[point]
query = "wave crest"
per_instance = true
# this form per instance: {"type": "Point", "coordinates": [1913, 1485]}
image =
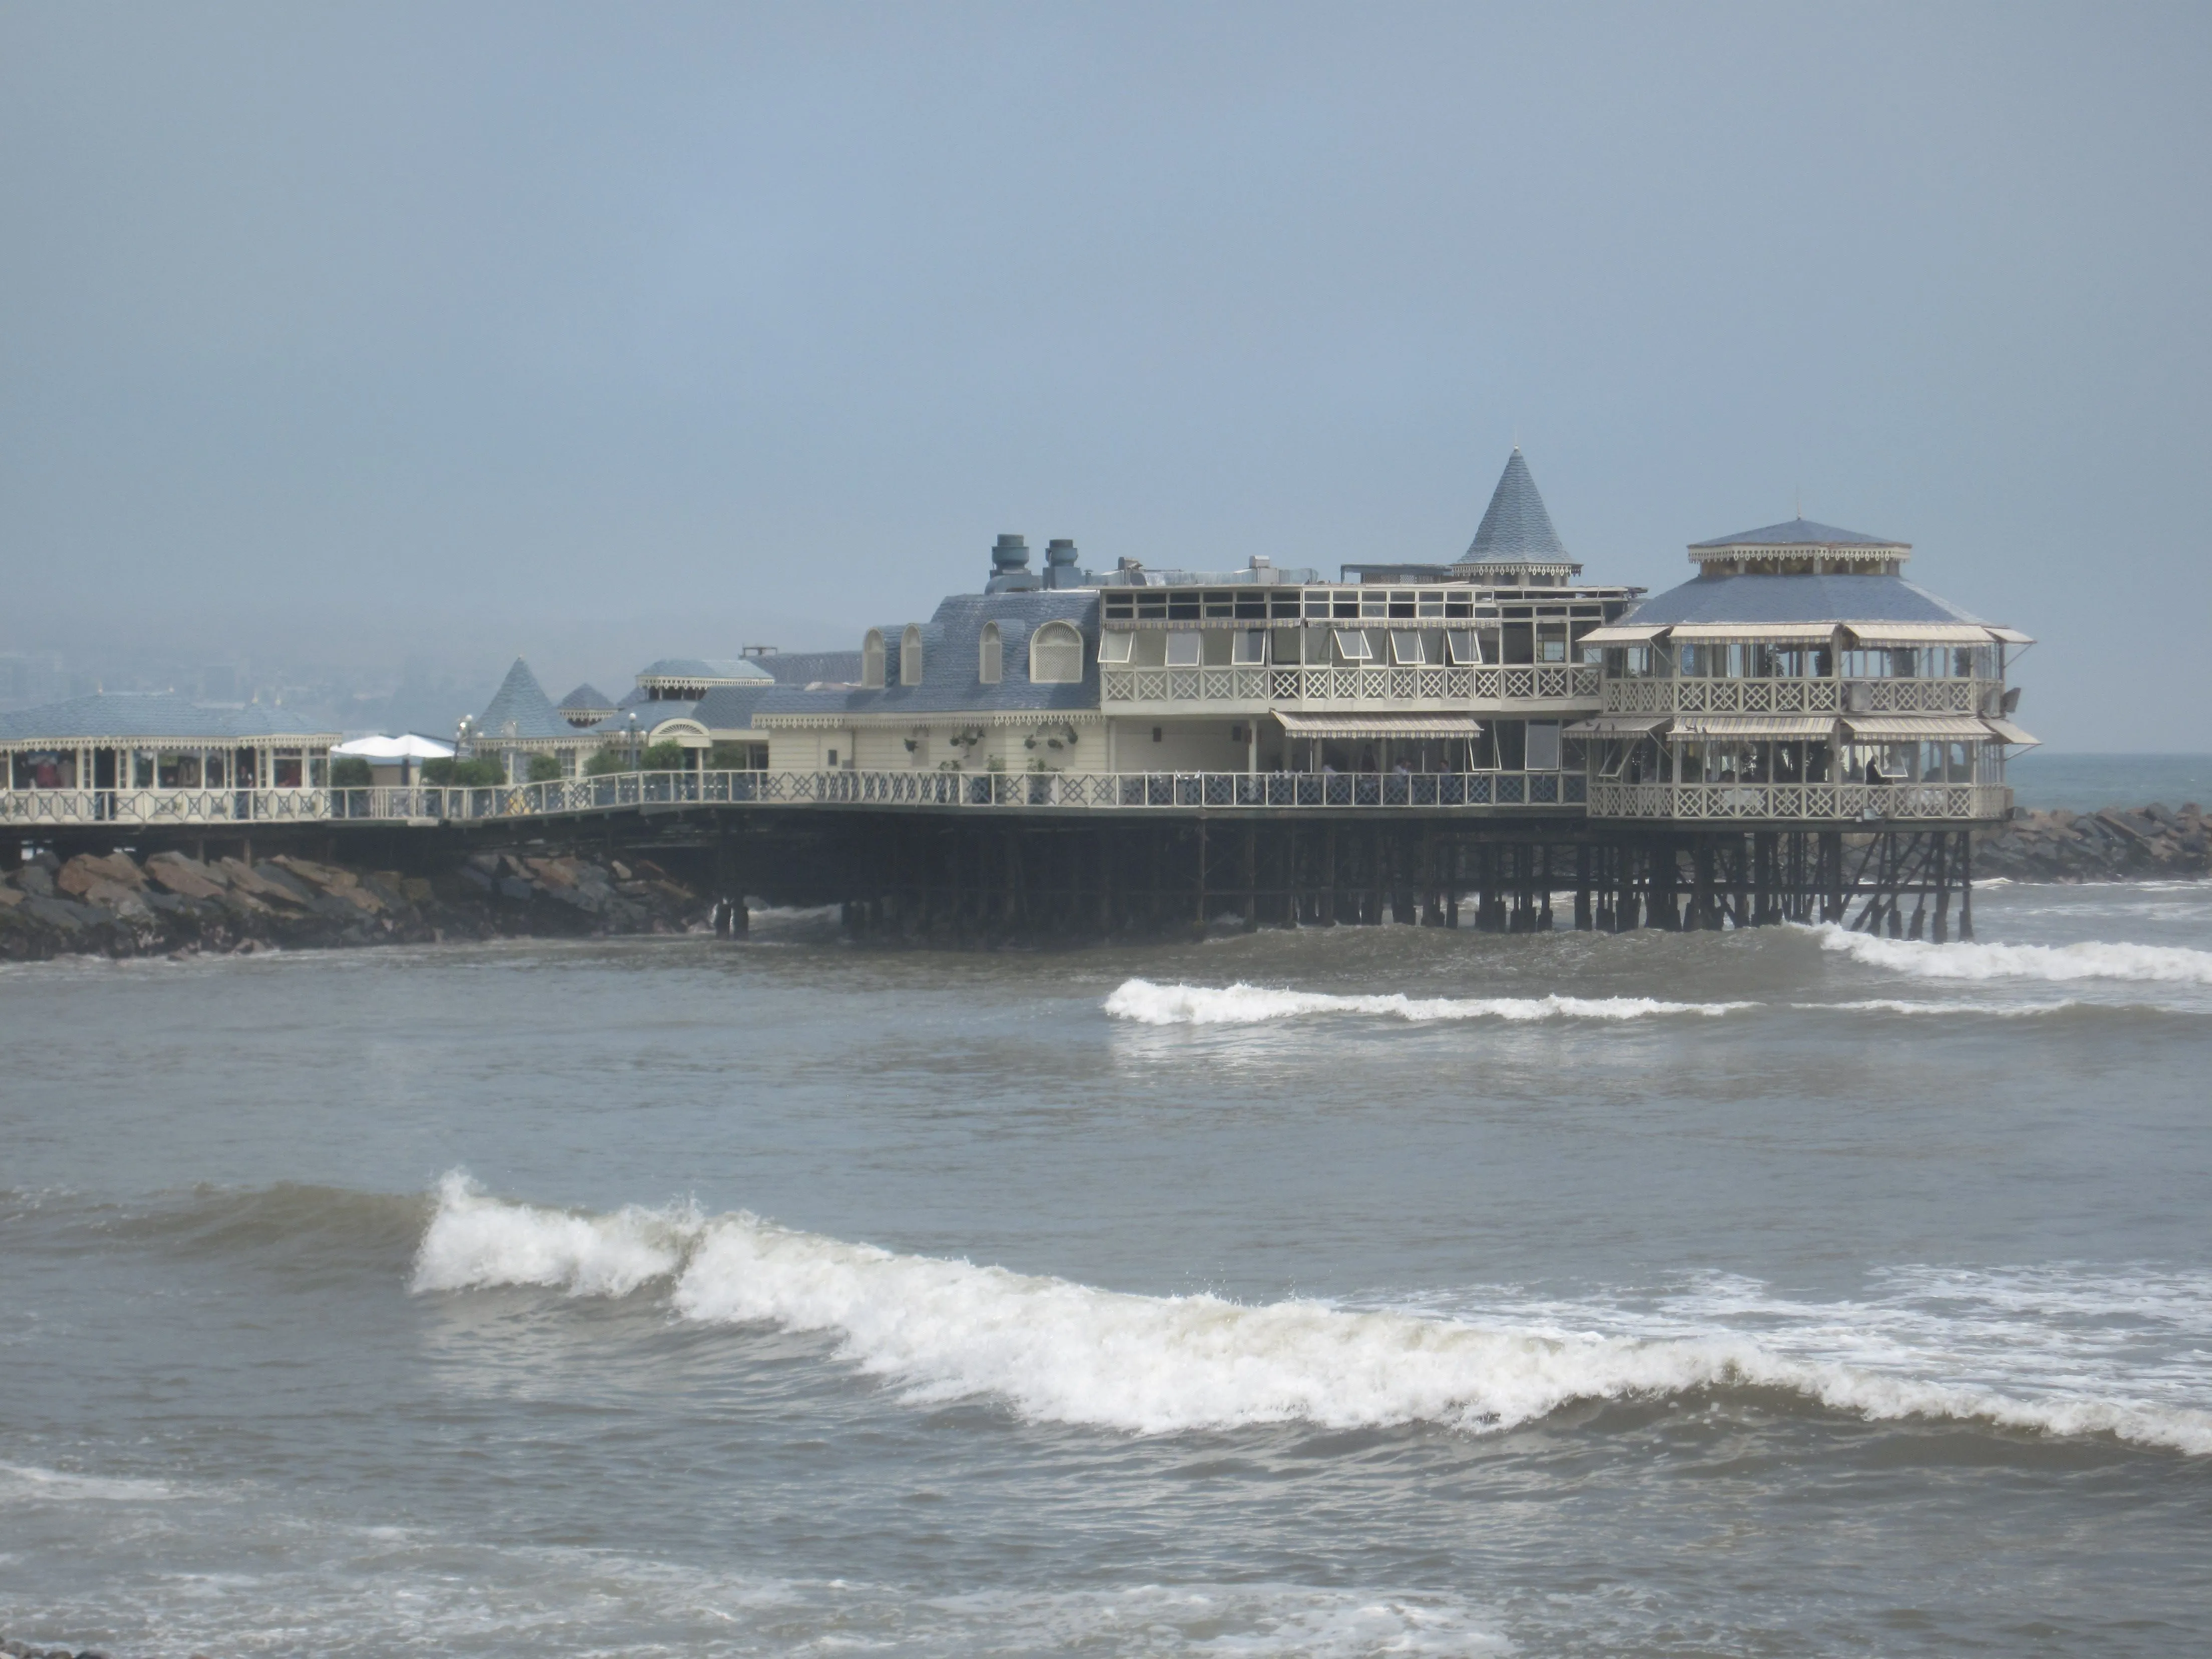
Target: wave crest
{"type": "Point", "coordinates": [1060, 1352]}
{"type": "Point", "coordinates": [1150, 1003]}
{"type": "Point", "coordinates": [2169, 964]}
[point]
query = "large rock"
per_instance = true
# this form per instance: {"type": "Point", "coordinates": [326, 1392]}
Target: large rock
{"type": "Point", "coordinates": [186, 877]}
{"type": "Point", "coordinates": [79, 875]}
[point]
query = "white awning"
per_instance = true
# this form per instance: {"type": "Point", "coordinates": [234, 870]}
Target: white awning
{"type": "Point", "coordinates": [1880, 633]}
{"type": "Point", "coordinates": [1915, 728]}
{"type": "Point", "coordinates": [1617, 726]}
{"type": "Point", "coordinates": [1622, 634]}
{"type": "Point", "coordinates": [2012, 637]}
{"type": "Point", "coordinates": [1754, 726]}
{"type": "Point", "coordinates": [2006, 731]}
{"type": "Point", "coordinates": [406, 746]}
{"type": "Point", "coordinates": [1762, 633]}
{"type": "Point", "coordinates": [1297, 725]}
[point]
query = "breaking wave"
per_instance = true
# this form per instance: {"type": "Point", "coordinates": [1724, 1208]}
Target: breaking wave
{"type": "Point", "coordinates": [2171, 964]}
{"type": "Point", "coordinates": [1056, 1350]}
{"type": "Point", "coordinates": [1150, 1003]}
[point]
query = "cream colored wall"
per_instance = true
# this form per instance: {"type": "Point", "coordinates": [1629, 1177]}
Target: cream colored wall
{"type": "Point", "coordinates": [807, 751]}
{"type": "Point", "coordinates": [1185, 745]}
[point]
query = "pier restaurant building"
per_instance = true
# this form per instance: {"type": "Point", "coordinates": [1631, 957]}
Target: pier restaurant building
{"type": "Point", "coordinates": [156, 757]}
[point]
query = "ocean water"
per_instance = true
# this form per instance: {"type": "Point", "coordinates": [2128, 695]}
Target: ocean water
{"type": "Point", "coordinates": [2081, 783]}
{"type": "Point", "coordinates": [1365, 1291]}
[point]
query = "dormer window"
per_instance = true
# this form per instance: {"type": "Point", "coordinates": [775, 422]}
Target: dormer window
{"type": "Point", "coordinates": [990, 656]}
{"type": "Point", "coordinates": [1056, 655]}
{"type": "Point", "coordinates": [910, 655]}
{"type": "Point", "coordinates": [872, 661]}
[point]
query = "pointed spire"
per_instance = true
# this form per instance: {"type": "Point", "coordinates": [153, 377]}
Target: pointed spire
{"type": "Point", "coordinates": [520, 708]}
{"type": "Point", "coordinates": [1516, 526]}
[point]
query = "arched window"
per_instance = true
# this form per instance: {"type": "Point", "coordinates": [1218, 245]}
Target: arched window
{"type": "Point", "coordinates": [990, 656]}
{"type": "Point", "coordinates": [1056, 655]}
{"type": "Point", "coordinates": [910, 655]}
{"type": "Point", "coordinates": [872, 659]}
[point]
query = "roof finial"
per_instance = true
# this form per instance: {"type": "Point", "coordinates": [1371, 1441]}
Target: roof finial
{"type": "Point", "coordinates": [1798, 503]}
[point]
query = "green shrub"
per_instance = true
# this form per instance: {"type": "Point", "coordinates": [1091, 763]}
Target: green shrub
{"type": "Point", "coordinates": [463, 773]}
{"type": "Point", "coordinates": [664, 757]}
{"type": "Point", "coordinates": [609, 759]}
{"type": "Point", "coordinates": [730, 757]}
{"type": "Point", "coordinates": [544, 768]}
{"type": "Point", "coordinates": [349, 772]}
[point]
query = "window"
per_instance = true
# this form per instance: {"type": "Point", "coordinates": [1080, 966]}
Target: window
{"type": "Point", "coordinates": [1406, 649]}
{"type": "Point", "coordinates": [1250, 648]}
{"type": "Point", "coordinates": [287, 768]}
{"type": "Point", "coordinates": [910, 655]}
{"type": "Point", "coordinates": [872, 659]}
{"type": "Point", "coordinates": [1056, 655]}
{"type": "Point", "coordinates": [1352, 645]}
{"type": "Point", "coordinates": [990, 655]}
{"type": "Point", "coordinates": [1184, 650]}
{"type": "Point", "coordinates": [833, 758]}
{"type": "Point", "coordinates": [1543, 746]}
{"type": "Point", "coordinates": [1463, 647]}
{"type": "Point", "coordinates": [1116, 648]}
{"type": "Point", "coordinates": [1156, 734]}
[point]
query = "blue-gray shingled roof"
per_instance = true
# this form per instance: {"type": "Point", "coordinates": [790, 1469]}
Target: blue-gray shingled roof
{"type": "Point", "coordinates": [1796, 600]}
{"type": "Point", "coordinates": [704, 668]}
{"type": "Point", "coordinates": [587, 696]}
{"type": "Point", "coordinates": [522, 701]}
{"type": "Point", "coordinates": [951, 681]}
{"type": "Point", "coordinates": [123, 716]}
{"type": "Point", "coordinates": [1800, 532]}
{"type": "Point", "coordinates": [1515, 526]}
{"type": "Point", "coordinates": [724, 708]}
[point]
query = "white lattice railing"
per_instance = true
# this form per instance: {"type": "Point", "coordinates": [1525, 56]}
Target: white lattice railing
{"type": "Point", "coordinates": [163, 806]}
{"type": "Point", "coordinates": [1303, 686]}
{"type": "Point", "coordinates": [1056, 790]}
{"type": "Point", "coordinates": [1696, 696]}
{"type": "Point", "coordinates": [1840, 803]}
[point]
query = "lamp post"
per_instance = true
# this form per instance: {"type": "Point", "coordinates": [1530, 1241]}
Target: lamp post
{"type": "Point", "coordinates": [633, 740]}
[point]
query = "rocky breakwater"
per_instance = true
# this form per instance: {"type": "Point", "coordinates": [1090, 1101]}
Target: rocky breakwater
{"type": "Point", "coordinates": [2114, 844]}
{"type": "Point", "coordinates": [169, 904]}
{"type": "Point", "coordinates": [16, 1649]}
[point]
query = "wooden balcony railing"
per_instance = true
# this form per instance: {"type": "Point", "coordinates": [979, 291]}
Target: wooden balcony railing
{"type": "Point", "coordinates": [1457, 687]}
{"type": "Point", "coordinates": [163, 806]}
{"type": "Point", "coordinates": [1698, 696]}
{"type": "Point", "coordinates": [1831, 803]}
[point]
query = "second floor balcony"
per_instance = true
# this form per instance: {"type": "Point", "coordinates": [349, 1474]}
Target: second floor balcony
{"type": "Point", "coordinates": [1691, 695]}
{"type": "Point", "coordinates": [1264, 686]}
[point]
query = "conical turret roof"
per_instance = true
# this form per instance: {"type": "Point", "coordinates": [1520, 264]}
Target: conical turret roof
{"type": "Point", "coordinates": [1516, 526]}
{"type": "Point", "coordinates": [520, 708]}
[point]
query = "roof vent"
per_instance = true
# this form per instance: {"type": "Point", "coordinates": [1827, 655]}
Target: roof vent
{"type": "Point", "coordinates": [1010, 566]}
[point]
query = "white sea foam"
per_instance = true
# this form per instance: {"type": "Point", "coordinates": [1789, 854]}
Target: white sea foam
{"type": "Point", "coordinates": [1150, 1003]}
{"type": "Point", "coordinates": [1987, 1010]}
{"type": "Point", "coordinates": [22, 1482]}
{"type": "Point", "coordinates": [1060, 1352]}
{"type": "Point", "coordinates": [2171, 964]}
{"type": "Point", "coordinates": [474, 1241]}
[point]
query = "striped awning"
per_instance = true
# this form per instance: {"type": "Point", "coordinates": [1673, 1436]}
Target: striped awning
{"type": "Point", "coordinates": [1298, 725]}
{"type": "Point", "coordinates": [1917, 728]}
{"type": "Point", "coordinates": [1617, 726]}
{"type": "Point", "coordinates": [1760, 632]}
{"type": "Point", "coordinates": [1881, 634]}
{"type": "Point", "coordinates": [1754, 725]}
{"type": "Point", "coordinates": [2006, 731]}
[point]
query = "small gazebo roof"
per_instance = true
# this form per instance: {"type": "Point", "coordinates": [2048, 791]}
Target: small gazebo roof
{"type": "Point", "coordinates": [588, 698]}
{"type": "Point", "coordinates": [1805, 538]}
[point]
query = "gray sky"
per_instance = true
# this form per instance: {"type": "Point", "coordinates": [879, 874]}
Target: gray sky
{"type": "Point", "coordinates": [592, 332]}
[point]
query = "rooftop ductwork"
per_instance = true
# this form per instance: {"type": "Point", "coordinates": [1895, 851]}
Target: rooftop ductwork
{"type": "Point", "coordinates": [1010, 566]}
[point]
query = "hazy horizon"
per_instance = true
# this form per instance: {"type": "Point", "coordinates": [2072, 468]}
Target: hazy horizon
{"type": "Point", "coordinates": [357, 335]}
